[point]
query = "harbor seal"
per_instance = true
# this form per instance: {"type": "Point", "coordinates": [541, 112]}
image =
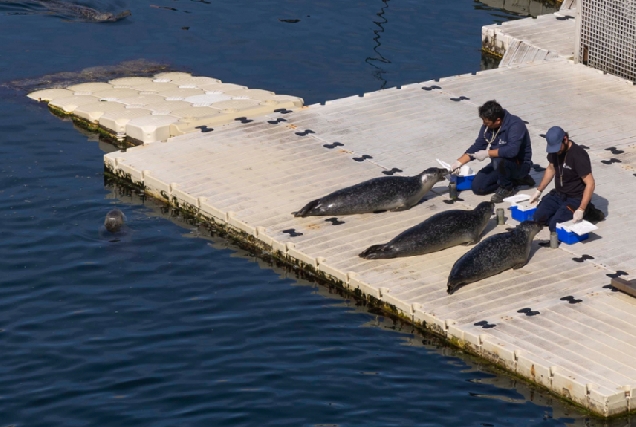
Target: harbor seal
{"type": "Point", "coordinates": [68, 9]}
{"type": "Point", "coordinates": [442, 230]}
{"type": "Point", "coordinates": [494, 255]}
{"type": "Point", "coordinates": [387, 193]}
{"type": "Point", "coordinates": [114, 220]}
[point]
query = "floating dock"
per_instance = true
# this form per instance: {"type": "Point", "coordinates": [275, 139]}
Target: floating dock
{"type": "Point", "coordinates": [557, 321]}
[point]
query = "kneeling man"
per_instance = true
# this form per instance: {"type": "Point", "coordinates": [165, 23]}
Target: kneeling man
{"type": "Point", "coordinates": [574, 184]}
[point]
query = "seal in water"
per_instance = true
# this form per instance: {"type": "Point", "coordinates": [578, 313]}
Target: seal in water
{"type": "Point", "coordinates": [72, 10]}
{"type": "Point", "coordinates": [387, 193]}
{"type": "Point", "coordinates": [441, 231]}
{"type": "Point", "coordinates": [114, 220]}
{"type": "Point", "coordinates": [494, 255]}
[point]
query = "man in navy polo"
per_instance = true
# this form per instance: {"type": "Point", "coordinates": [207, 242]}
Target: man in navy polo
{"type": "Point", "coordinates": [574, 185]}
{"type": "Point", "coordinates": [503, 138]}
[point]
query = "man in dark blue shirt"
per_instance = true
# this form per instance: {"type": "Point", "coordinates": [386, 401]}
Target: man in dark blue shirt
{"type": "Point", "coordinates": [503, 138]}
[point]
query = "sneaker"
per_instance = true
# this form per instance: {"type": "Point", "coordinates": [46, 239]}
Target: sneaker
{"type": "Point", "coordinates": [526, 180]}
{"type": "Point", "coordinates": [501, 194]}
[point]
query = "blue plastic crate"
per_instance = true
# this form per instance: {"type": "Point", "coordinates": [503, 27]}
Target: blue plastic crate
{"type": "Point", "coordinates": [464, 182]}
{"type": "Point", "coordinates": [570, 238]}
{"type": "Point", "coordinates": [522, 216]}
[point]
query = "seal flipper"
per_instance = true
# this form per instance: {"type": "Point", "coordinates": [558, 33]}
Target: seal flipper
{"type": "Point", "coordinates": [307, 209]}
{"type": "Point", "coordinates": [377, 252]}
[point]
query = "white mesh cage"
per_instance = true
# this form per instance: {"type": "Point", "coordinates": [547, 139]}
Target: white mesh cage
{"type": "Point", "coordinates": [607, 37]}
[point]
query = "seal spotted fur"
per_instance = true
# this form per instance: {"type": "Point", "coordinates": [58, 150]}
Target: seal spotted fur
{"type": "Point", "coordinates": [494, 255]}
{"type": "Point", "coordinates": [387, 193]}
{"type": "Point", "coordinates": [442, 230]}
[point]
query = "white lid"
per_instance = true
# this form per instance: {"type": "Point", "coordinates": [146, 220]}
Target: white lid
{"type": "Point", "coordinates": [579, 228]}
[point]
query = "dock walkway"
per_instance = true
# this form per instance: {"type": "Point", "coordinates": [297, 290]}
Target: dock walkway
{"type": "Point", "coordinates": [251, 176]}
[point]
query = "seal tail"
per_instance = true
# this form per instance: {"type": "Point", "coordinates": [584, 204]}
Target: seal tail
{"type": "Point", "coordinates": [308, 207]}
{"type": "Point", "coordinates": [377, 252]}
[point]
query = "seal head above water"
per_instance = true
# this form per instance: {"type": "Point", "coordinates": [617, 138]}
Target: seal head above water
{"type": "Point", "coordinates": [114, 220]}
{"type": "Point", "coordinates": [387, 193]}
{"type": "Point", "coordinates": [442, 230]}
{"type": "Point", "coordinates": [493, 255]}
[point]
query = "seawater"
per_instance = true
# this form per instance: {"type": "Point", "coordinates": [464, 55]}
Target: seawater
{"type": "Point", "coordinates": [164, 325]}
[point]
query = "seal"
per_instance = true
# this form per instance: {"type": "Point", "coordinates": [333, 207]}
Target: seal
{"type": "Point", "coordinates": [494, 255]}
{"type": "Point", "coordinates": [114, 220]}
{"type": "Point", "coordinates": [84, 13]}
{"type": "Point", "coordinates": [441, 231]}
{"type": "Point", "coordinates": [387, 193]}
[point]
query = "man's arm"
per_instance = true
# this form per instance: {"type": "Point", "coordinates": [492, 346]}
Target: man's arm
{"type": "Point", "coordinates": [547, 177]}
{"type": "Point", "coordinates": [589, 190]}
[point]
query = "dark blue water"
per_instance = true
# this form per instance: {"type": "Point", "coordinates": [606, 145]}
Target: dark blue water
{"type": "Point", "coordinates": [165, 326]}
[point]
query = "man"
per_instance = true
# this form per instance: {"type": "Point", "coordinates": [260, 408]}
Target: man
{"type": "Point", "coordinates": [574, 181]}
{"type": "Point", "coordinates": [504, 138]}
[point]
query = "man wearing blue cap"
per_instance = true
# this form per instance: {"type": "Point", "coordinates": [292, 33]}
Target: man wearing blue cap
{"type": "Point", "coordinates": [574, 185]}
{"type": "Point", "coordinates": [504, 139]}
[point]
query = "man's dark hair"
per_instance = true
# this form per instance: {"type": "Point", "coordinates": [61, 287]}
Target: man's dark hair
{"type": "Point", "coordinates": [491, 110]}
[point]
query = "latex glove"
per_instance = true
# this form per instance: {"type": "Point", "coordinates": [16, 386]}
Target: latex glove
{"type": "Point", "coordinates": [455, 167]}
{"type": "Point", "coordinates": [535, 197]}
{"type": "Point", "coordinates": [578, 215]}
{"type": "Point", "coordinates": [480, 155]}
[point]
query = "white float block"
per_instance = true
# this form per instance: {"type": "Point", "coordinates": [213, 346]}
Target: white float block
{"type": "Point", "coordinates": [206, 99]}
{"type": "Point", "coordinates": [220, 87]}
{"type": "Point", "coordinates": [115, 94]}
{"type": "Point", "coordinates": [156, 186]}
{"type": "Point", "coordinates": [172, 76]}
{"type": "Point", "coordinates": [499, 352]}
{"type": "Point", "coordinates": [109, 160]}
{"type": "Point", "coordinates": [297, 102]}
{"type": "Point", "coordinates": [356, 283]}
{"type": "Point", "coordinates": [181, 94]}
{"type": "Point", "coordinates": [70, 104]}
{"type": "Point", "coordinates": [454, 331]}
{"type": "Point", "coordinates": [196, 82]}
{"type": "Point", "coordinates": [116, 121]}
{"type": "Point", "coordinates": [431, 321]}
{"type": "Point", "coordinates": [189, 125]}
{"type": "Point", "coordinates": [93, 111]}
{"type": "Point", "coordinates": [49, 95]}
{"type": "Point", "coordinates": [241, 225]}
{"type": "Point", "coordinates": [165, 108]}
{"type": "Point", "coordinates": [570, 388]}
{"type": "Point", "coordinates": [257, 94]}
{"type": "Point", "coordinates": [195, 112]}
{"type": "Point", "coordinates": [292, 252]}
{"type": "Point", "coordinates": [261, 234]}
{"type": "Point", "coordinates": [129, 82]}
{"type": "Point", "coordinates": [278, 246]}
{"type": "Point", "coordinates": [154, 87]}
{"type": "Point", "coordinates": [141, 101]}
{"type": "Point", "coordinates": [616, 403]}
{"type": "Point", "coordinates": [211, 211]}
{"type": "Point", "coordinates": [183, 197]}
{"type": "Point", "coordinates": [534, 369]}
{"type": "Point", "coordinates": [131, 173]}
{"type": "Point", "coordinates": [331, 271]}
{"type": "Point", "coordinates": [151, 128]}
{"type": "Point", "coordinates": [89, 88]}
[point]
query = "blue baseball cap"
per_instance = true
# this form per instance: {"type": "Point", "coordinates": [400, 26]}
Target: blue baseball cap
{"type": "Point", "coordinates": [554, 136]}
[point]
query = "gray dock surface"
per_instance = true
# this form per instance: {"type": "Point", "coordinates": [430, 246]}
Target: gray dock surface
{"type": "Point", "coordinates": [250, 177]}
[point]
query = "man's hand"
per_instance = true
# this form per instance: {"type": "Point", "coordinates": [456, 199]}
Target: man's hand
{"type": "Point", "coordinates": [480, 155]}
{"type": "Point", "coordinates": [535, 197]}
{"type": "Point", "coordinates": [454, 169]}
{"type": "Point", "coordinates": [578, 215]}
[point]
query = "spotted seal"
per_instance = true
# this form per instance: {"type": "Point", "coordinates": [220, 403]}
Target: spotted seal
{"type": "Point", "coordinates": [441, 231]}
{"type": "Point", "coordinates": [84, 13]}
{"type": "Point", "coordinates": [114, 220]}
{"type": "Point", "coordinates": [493, 255]}
{"type": "Point", "coordinates": [387, 193]}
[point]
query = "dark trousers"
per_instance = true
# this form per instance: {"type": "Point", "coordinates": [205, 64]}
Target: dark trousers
{"type": "Point", "coordinates": [553, 209]}
{"type": "Point", "coordinates": [499, 173]}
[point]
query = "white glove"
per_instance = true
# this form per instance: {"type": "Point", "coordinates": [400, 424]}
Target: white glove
{"type": "Point", "coordinates": [480, 155]}
{"type": "Point", "coordinates": [455, 167]}
{"type": "Point", "coordinates": [578, 215]}
{"type": "Point", "coordinates": [535, 197]}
